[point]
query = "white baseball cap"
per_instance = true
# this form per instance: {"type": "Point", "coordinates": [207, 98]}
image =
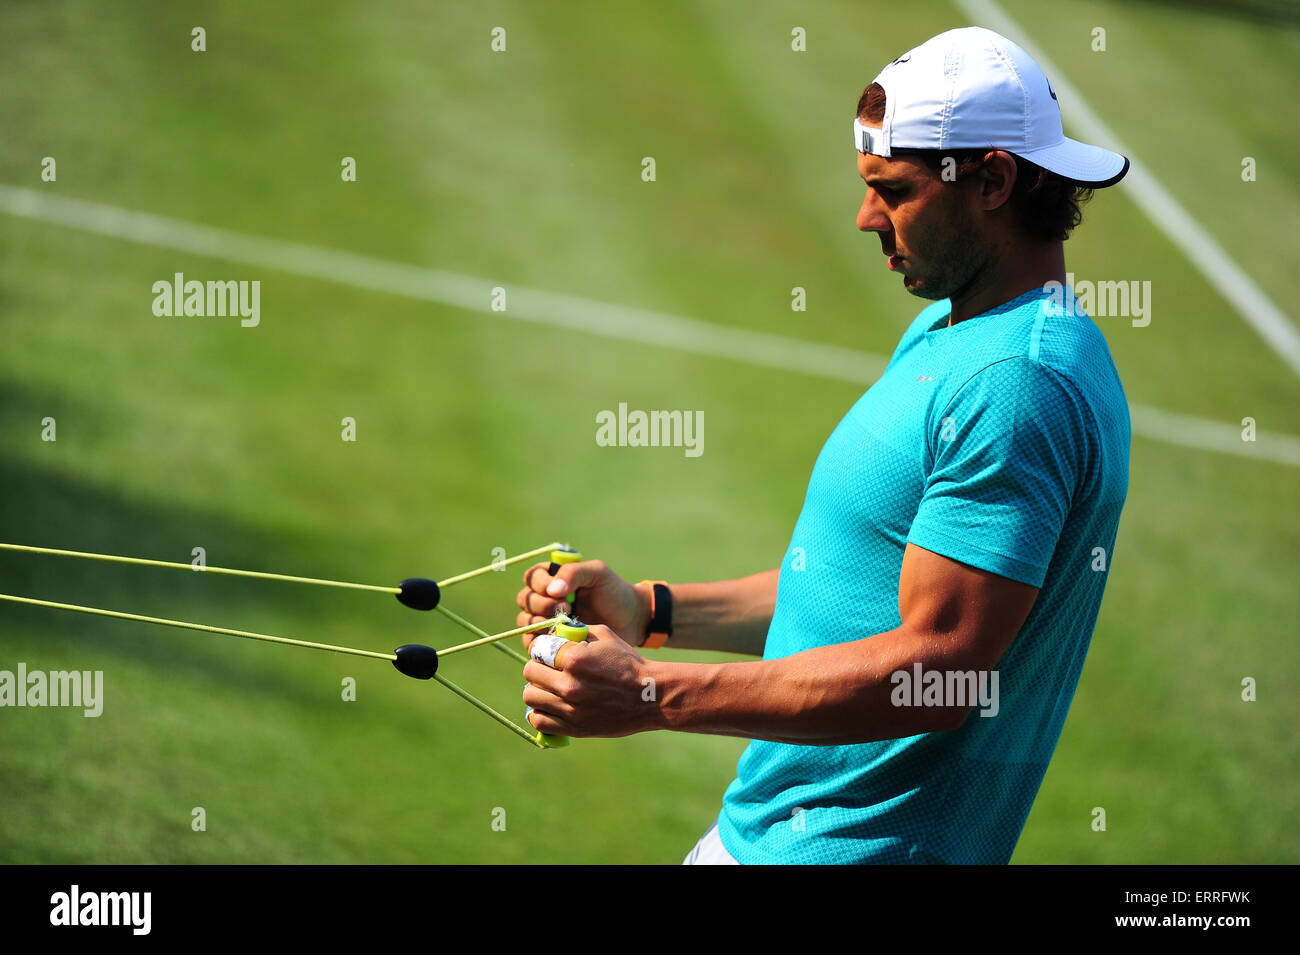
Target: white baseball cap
{"type": "Point", "coordinates": [975, 89]}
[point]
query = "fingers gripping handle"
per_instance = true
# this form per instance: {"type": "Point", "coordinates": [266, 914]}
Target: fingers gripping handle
{"type": "Point", "coordinates": [545, 648]}
{"type": "Point", "coordinates": [558, 559]}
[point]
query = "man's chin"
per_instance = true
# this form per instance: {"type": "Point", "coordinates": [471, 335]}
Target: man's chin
{"type": "Point", "coordinates": [921, 289]}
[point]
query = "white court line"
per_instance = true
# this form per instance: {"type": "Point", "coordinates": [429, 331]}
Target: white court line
{"type": "Point", "coordinates": [1226, 276]}
{"type": "Point", "coordinates": [762, 349]}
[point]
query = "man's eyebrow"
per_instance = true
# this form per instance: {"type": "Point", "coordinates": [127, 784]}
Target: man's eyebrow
{"type": "Point", "coordinates": [882, 180]}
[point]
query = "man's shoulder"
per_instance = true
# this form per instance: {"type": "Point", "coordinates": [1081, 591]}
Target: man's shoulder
{"type": "Point", "coordinates": [1033, 326]}
{"type": "Point", "coordinates": [1027, 355]}
{"type": "Point", "coordinates": [1064, 341]}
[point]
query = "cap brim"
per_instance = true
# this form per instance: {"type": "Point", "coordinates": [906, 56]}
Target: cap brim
{"type": "Point", "coordinates": [1087, 165]}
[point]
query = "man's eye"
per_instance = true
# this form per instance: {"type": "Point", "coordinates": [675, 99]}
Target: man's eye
{"type": "Point", "coordinates": [889, 192]}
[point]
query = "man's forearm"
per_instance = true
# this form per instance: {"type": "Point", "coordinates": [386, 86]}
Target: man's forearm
{"type": "Point", "coordinates": [825, 696]}
{"type": "Point", "coordinates": [728, 615]}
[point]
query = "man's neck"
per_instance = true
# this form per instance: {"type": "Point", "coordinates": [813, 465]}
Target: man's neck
{"type": "Point", "coordinates": [1017, 270]}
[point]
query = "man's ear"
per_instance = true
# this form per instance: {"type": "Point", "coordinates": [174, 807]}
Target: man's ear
{"type": "Point", "coordinates": [997, 179]}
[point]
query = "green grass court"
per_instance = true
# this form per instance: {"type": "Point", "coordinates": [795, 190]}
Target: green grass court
{"type": "Point", "coordinates": [475, 429]}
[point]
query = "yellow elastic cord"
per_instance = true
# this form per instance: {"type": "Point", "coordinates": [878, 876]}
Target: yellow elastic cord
{"type": "Point", "coordinates": [493, 637]}
{"type": "Point", "coordinates": [496, 565]}
{"type": "Point", "coordinates": [172, 565]}
{"type": "Point", "coordinates": [199, 626]}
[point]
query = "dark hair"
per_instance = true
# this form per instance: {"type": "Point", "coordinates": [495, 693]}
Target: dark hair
{"type": "Point", "coordinates": [1047, 206]}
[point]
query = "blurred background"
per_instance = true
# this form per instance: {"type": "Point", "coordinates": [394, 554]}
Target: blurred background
{"type": "Point", "coordinates": [475, 428]}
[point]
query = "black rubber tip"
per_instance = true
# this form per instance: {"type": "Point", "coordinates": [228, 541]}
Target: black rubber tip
{"type": "Point", "coordinates": [419, 593]}
{"type": "Point", "coordinates": [417, 661]}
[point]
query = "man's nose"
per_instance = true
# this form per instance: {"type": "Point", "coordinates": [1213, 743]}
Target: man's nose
{"type": "Point", "coordinates": [871, 217]}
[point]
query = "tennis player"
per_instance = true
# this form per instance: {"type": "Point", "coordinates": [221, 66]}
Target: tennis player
{"type": "Point", "coordinates": [923, 637]}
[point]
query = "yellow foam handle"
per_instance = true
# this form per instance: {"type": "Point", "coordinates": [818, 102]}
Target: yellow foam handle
{"type": "Point", "coordinates": [577, 633]}
{"type": "Point", "coordinates": [558, 559]}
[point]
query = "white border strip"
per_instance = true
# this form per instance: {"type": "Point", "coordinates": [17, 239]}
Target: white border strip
{"type": "Point", "coordinates": [657, 329]}
{"type": "Point", "coordinates": [1164, 211]}
{"type": "Point", "coordinates": [447, 288]}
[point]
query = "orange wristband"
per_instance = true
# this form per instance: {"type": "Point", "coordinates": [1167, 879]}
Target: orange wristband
{"type": "Point", "coordinates": [660, 627]}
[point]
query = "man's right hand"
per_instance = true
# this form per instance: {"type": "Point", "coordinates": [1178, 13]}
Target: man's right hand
{"type": "Point", "coordinates": [603, 597]}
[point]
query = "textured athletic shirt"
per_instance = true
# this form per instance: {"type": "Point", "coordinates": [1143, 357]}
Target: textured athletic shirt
{"type": "Point", "coordinates": [1001, 442]}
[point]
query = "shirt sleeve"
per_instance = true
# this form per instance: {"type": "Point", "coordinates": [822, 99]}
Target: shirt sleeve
{"type": "Point", "coordinates": [1009, 451]}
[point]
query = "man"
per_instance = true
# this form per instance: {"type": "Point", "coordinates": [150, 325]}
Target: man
{"type": "Point", "coordinates": [958, 526]}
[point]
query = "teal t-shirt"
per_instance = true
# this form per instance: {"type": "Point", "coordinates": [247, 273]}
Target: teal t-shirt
{"type": "Point", "coordinates": [1001, 442]}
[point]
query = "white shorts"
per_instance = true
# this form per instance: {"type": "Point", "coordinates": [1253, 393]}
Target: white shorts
{"type": "Point", "coordinates": [710, 850]}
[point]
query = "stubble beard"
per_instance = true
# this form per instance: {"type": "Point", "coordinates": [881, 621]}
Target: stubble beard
{"type": "Point", "coordinates": [953, 264]}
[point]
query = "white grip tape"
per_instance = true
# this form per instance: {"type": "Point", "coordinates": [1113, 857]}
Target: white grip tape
{"type": "Point", "coordinates": [545, 648]}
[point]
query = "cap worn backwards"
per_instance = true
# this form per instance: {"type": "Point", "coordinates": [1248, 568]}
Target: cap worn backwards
{"type": "Point", "coordinates": [974, 89]}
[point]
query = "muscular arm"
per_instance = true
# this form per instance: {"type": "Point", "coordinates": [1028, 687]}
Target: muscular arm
{"type": "Point", "coordinates": [954, 617]}
{"type": "Point", "coordinates": [728, 615]}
